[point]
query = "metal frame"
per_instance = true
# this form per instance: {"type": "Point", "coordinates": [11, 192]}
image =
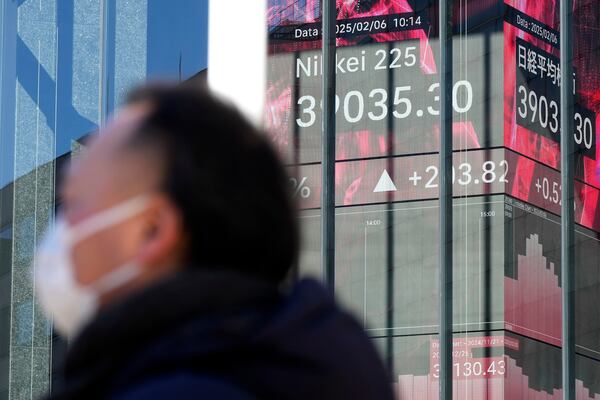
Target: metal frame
{"type": "Point", "coordinates": [445, 262]}
{"type": "Point", "coordinates": [329, 19]}
{"type": "Point", "coordinates": [568, 200]}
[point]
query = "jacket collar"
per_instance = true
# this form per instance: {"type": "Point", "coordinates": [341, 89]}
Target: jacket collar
{"type": "Point", "coordinates": [145, 316]}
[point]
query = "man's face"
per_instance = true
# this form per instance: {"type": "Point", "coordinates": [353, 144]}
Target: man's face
{"type": "Point", "coordinates": [107, 173]}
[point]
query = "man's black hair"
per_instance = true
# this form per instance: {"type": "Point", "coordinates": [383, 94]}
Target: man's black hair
{"type": "Point", "coordinates": [226, 179]}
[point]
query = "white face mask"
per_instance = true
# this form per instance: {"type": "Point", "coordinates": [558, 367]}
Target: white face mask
{"type": "Point", "coordinates": [62, 297]}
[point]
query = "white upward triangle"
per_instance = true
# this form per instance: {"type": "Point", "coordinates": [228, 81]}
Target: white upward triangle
{"type": "Point", "coordinates": [385, 184]}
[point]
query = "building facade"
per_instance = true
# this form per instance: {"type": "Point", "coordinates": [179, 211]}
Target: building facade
{"type": "Point", "coordinates": [506, 183]}
{"type": "Point", "coordinates": [64, 66]}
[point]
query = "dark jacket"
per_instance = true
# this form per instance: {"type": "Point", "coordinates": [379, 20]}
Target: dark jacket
{"type": "Point", "coordinates": [202, 335]}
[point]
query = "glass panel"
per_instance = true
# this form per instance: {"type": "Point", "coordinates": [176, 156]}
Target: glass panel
{"type": "Point", "coordinates": [507, 188]}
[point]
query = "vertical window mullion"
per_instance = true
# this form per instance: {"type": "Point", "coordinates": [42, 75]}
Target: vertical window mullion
{"type": "Point", "coordinates": [568, 199]}
{"type": "Point", "coordinates": [328, 134]}
{"type": "Point", "coordinates": [445, 200]}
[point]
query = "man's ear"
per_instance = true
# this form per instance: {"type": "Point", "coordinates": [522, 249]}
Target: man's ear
{"type": "Point", "coordinates": [164, 235]}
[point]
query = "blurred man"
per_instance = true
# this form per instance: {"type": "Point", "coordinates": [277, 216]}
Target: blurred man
{"type": "Point", "coordinates": [168, 263]}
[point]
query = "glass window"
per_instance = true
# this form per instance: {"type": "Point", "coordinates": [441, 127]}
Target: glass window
{"type": "Point", "coordinates": [64, 65]}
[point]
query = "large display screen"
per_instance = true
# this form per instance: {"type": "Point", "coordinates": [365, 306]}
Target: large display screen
{"type": "Point", "coordinates": [506, 182]}
{"type": "Point", "coordinates": [506, 279]}
{"type": "Point", "coordinates": [388, 94]}
{"type": "Point", "coordinates": [505, 91]}
{"type": "Point", "coordinates": [532, 83]}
